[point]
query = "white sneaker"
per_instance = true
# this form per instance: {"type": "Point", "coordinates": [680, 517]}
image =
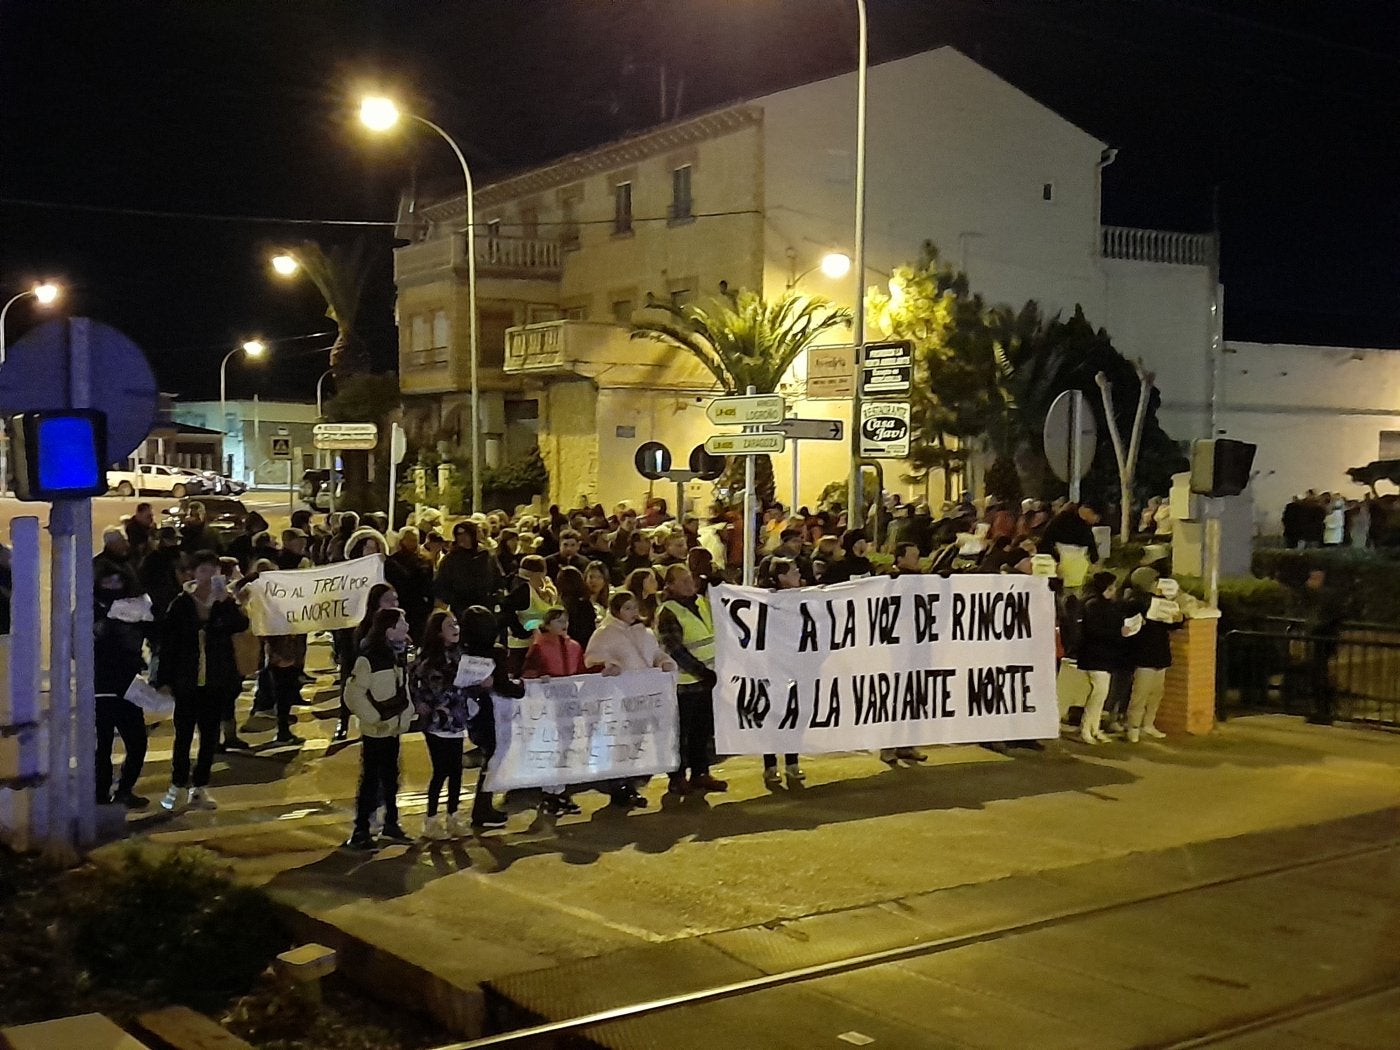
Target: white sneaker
{"type": "Point", "coordinates": [1133, 736]}
{"type": "Point", "coordinates": [200, 799]}
{"type": "Point", "coordinates": [770, 775]}
{"type": "Point", "coordinates": [174, 799]}
{"type": "Point", "coordinates": [1116, 726]}
{"type": "Point", "coordinates": [433, 829]}
{"type": "Point", "coordinates": [794, 772]}
{"type": "Point", "coordinates": [1088, 735]}
{"type": "Point", "coordinates": [1153, 732]}
{"type": "Point", "coordinates": [1105, 736]}
{"type": "Point", "coordinates": [457, 828]}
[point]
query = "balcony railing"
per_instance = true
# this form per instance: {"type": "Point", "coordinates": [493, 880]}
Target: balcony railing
{"type": "Point", "coordinates": [1158, 246]}
{"type": "Point", "coordinates": [495, 257]}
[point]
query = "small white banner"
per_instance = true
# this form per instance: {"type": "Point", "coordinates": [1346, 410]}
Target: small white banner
{"type": "Point", "coordinates": [300, 601]}
{"type": "Point", "coordinates": [585, 728]}
{"type": "Point", "coordinates": [884, 663]}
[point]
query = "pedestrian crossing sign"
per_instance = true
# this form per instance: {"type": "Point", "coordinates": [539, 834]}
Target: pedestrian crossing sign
{"type": "Point", "coordinates": [281, 448]}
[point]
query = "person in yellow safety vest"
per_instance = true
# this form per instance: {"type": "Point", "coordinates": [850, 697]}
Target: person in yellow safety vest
{"type": "Point", "coordinates": [685, 628]}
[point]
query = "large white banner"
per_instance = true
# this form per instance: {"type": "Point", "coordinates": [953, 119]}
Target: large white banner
{"type": "Point", "coordinates": [884, 663]}
{"type": "Point", "coordinates": [300, 601]}
{"type": "Point", "coordinates": [585, 728]}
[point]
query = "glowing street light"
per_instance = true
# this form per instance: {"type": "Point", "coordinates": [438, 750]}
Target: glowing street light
{"type": "Point", "coordinates": [380, 114]}
{"type": "Point", "coordinates": [251, 348]}
{"type": "Point", "coordinates": [285, 265]}
{"type": "Point", "coordinates": [45, 294]}
{"type": "Point", "coordinates": [836, 265]}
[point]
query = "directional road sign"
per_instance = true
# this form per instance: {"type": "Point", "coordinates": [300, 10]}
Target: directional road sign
{"type": "Point", "coordinates": [361, 436]}
{"type": "Point", "coordinates": [746, 410]}
{"type": "Point", "coordinates": [809, 429]}
{"type": "Point", "coordinates": [744, 444]}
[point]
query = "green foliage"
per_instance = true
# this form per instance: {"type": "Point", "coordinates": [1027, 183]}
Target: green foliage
{"type": "Point", "coordinates": [528, 473]}
{"type": "Point", "coordinates": [341, 275]}
{"type": "Point", "coordinates": [837, 491]}
{"type": "Point", "coordinates": [1003, 481]}
{"type": "Point", "coordinates": [364, 398]}
{"type": "Point", "coordinates": [175, 930]}
{"type": "Point", "coordinates": [1369, 579]}
{"type": "Point", "coordinates": [1245, 601]}
{"type": "Point", "coordinates": [452, 495]}
{"type": "Point", "coordinates": [744, 341]}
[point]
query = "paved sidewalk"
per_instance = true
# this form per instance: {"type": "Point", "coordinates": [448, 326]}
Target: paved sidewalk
{"type": "Point", "coordinates": [857, 834]}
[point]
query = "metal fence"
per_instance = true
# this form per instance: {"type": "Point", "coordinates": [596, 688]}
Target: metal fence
{"type": "Point", "coordinates": [1351, 676]}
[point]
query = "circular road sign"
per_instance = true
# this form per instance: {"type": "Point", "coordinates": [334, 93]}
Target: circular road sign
{"type": "Point", "coordinates": [1068, 412]}
{"type": "Point", "coordinates": [37, 375]}
{"type": "Point", "coordinates": [704, 466]}
{"type": "Point", "coordinates": [652, 460]}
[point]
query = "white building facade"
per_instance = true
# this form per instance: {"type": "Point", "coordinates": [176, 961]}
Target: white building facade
{"type": "Point", "coordinates": [753, 195]}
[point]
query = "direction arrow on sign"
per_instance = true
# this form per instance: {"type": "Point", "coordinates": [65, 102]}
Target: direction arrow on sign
{"type": "Point", "coordinates": [746, 410]}
{"type": "Point", "coordinates": [809, 429]}
{"type": "Point", "coordinates": [362, 436]}
{"type": "Point", "coordinates": [744, 444]}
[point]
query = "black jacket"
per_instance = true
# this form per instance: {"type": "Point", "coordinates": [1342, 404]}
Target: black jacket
{"type": "Point", "coordinates": [1068, 527]}
{"type": "Point", "coordinates": [178, 666]}
{"type": "Point", "coordinates": [848, 568]}
{"type": "Point", "coordinates": [160, 578]}
{"type": "Point", "coordinates": [555, 562]}
{"type": "Point", "coordinates": [1151, 646]}
{"type": "Point", "coordinates": [467, 577]}
{"type": "Point", "coordinates": [411, 576]}
{"type": "Point", "coordinates": [116, 650]}
{"type": "Point", "coordinates": [1102, 646]}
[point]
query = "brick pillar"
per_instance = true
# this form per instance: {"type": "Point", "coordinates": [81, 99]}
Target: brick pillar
{"type": "Point", "coordinates": [1188, 704]}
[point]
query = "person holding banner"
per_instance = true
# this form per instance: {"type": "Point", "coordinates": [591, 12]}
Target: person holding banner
{"type": "Point", "coordinates": [1103, 650]}
{"type": "Point", "coordinates": [531, 596]}
{"type": "Point", "coordinates": [553, 654]}
{"type": "Point", "coordinates": [377, 694]}
{"type": "Point", "coordinates": [625, 643]}
{"type": "Point", "coordinates": [1154, 599]}
{"type": "Point", "coordinates": [686, 630]}
{"type": "Point", "coordinates": [786, 576]}
{"type": "Point", "coordinates": [480, 644]}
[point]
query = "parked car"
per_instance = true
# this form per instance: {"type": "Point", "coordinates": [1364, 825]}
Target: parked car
{"type": "Point", "coordinates": [221, 484]}
{"type": "Point", "coordinates": [156, 478]}
{"type": "Point", "coordinates": [315, 488]}
{"type": "Point", "coordinates": [223, 515]}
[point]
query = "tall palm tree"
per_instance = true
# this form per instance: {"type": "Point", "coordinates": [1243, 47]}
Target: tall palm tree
{"type": "Point", "coordinates": [340, 274]}
{"type": "Point", "coordinates": [744, 341]}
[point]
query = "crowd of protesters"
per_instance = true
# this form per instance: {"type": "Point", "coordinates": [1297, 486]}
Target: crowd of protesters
{"type": "Point", "coordinates": [496, 599]}
{"type": "Point", "coordinates": [1329, 519]}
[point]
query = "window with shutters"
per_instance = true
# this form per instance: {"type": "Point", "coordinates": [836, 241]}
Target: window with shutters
{"type": "Point", "coordinates": [622, 208]}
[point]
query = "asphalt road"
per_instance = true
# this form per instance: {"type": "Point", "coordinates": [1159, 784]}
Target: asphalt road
{"type": "Point", "coordinates": [109, 510]}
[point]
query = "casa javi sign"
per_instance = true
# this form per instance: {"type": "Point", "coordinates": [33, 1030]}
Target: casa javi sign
{"type": "Point", "coordinates": [884, 429]}
{"type": "Point", "coordinates": [884, 662]}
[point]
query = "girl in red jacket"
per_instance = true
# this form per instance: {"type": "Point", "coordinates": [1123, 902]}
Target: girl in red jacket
{"type": "Point", "coordinates": [553, 654]}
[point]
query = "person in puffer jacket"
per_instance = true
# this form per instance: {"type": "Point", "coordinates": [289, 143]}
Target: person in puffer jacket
{"type": "Point", "coordinates": [377, 694]}
{"type": "Point", "coordinates": [442, 712]}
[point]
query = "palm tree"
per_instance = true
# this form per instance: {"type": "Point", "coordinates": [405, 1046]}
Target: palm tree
{"type": "Point", "coordinates": [744, 341]}
{"type": "Point", "coordinates": [340, 275]}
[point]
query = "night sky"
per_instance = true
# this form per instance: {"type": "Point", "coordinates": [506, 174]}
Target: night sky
{"type": "Point", "coordinates": [247, 109]}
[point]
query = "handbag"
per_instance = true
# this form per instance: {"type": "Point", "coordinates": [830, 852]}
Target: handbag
{"type": "Point", "coordinates": [147, 697]}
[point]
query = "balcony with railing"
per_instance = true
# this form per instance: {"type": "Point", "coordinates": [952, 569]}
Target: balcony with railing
{"type": "Point", "coordinates": [1156, 246]}
{"type": "Point", "coordinates": [523, 257]}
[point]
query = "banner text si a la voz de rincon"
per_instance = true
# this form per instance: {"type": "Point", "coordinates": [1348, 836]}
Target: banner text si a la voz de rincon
{"type": "Point", "coordinates": [884, 662]}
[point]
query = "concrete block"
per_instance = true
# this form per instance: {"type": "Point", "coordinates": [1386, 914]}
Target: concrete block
{"type": "Point", "coordinates": [83, 1032]}
{"type": "Point", "coordinates": [181, 1028]}
{"type": "Point", "coordinates": [310, 962]}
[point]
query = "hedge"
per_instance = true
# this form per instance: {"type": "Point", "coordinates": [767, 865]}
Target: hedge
{"type": "Point", "coordinates": [1369, 579]}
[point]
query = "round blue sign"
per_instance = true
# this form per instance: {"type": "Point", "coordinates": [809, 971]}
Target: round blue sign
{"type": "Point", "coordinates": [38, 375]}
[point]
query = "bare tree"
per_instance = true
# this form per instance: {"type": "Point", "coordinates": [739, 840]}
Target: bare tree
{"type": "Point", "coordinates": [1127, 462]}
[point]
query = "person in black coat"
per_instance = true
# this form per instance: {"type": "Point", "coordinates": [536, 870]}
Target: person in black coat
{"type": "Point", "coordinates": [197, 665]}
{"type": "Point", "coordinates": [410, 572]}
{"type": "Point", "coordinates": [468, 574]}
{"type": "Point", "coordinates": [854, 565]}
{"type": "Point", "coordinates": [119, 628]}
{"type": "Point", "coordinates": [479, 637]}
{"type": "Point", "coordinates": [1074, 525]}
{"type": "Point", "coordinates": [1151, 650]}
{"type": "Point", "coordinates": [1102, 650]}
{"type": "Point", "coordinates": [161, 574]}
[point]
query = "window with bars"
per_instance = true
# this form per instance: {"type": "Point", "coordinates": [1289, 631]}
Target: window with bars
{"type": "Point", "coordinates": [682, 207]}
{"type": "Point", "coordinates": [622, 207]}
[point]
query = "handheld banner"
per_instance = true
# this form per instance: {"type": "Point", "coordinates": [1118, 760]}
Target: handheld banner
{"type": "Point", "coordinates": [585, 728]}
{"type": "Point", "coordinates": [884, 662]}
{"type": "Point", "coordinates": [300, 601]}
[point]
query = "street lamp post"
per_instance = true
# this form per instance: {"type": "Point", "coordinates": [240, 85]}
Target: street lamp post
{"type": "Point", "coordinates": [254, 348]}
{"type": "Point", "coordinates": [381, 114]}
{"type": "Point", "coordinates": [44, 294]}
{"type": "Point", "coordinates": [855, 510]}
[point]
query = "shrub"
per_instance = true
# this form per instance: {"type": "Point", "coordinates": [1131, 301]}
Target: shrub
{"type": "Point", "coordinates": [1370, 580]}
{"type": "Point", "coordinates": [1245, 601]}
{"type": "Point", "coordinates": [175, 929]}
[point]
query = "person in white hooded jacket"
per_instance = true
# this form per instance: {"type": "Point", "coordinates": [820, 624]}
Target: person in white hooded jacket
{"type": "Point", "coordinates": [377, 694]}
{"type": "Point", "coordinates": [625, 643]}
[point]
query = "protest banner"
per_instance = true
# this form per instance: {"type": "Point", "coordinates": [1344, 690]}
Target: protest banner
{"type": "Point", "coordinates": [884, 663]}
{"type": "Point", "coordinates": [585, 728]}
{"type": "Point", "coordinates": [300, 601]}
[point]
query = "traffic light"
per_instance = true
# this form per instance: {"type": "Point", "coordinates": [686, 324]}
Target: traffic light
{"type": "Point", "coordinates": [59, 454]}
{"type": "Point", "coordinates": [1220, 466]}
